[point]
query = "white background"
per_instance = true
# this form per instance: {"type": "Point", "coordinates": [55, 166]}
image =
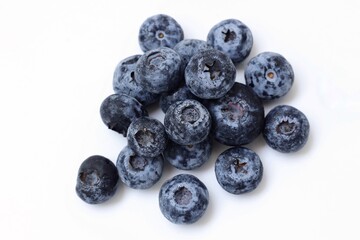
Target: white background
{"type": "Point", "coordinates": [56, 64]}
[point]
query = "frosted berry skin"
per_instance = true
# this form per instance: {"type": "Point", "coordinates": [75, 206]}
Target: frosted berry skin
{"type": "Point", "coordinates": [139, 172]}
{"type": "Point", "coordinates": [238, 170]}
{"type": "Point", "coordinates": [158, 70]}
{"type": "Point", "coordinates": [188, 48]}
{"type": "Point", "coordinates": [183, 199]}
{"type": "Point", "coordinates": [270, 75]}
{"type": "Point", "coordinates": [286, 129]}
{"type": "Point", "coordinates": [232, 37]}
{"type": "Point", "coordinates": [188, 157]}
{"type": "Point", "coordinates": [187, 122]}
{"type": "Point", "coordinates": [210, 74]}
{"type": "Point", "coordinates": [97, 180]}
{"type": "Point", "coordinates": [117, 111]}
{"type": "Point", "coordinates": [124, 82]}
{"type": "Point", "coordinates": [238, 117]}
{"type": "Point", "coordinates": [180, 94]}
{"type": "Point", "coordinates": [147, 137]}
{"type": "Point", "coordinates": [159, 31]}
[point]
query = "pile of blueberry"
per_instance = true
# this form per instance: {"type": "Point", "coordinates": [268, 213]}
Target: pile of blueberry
{"type": "Point", "coordinates": [194, 82]}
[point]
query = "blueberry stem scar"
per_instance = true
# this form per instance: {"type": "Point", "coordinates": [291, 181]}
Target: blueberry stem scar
{"type": "Point", "coordinates": [212, 69]}
{"type": "Point", "coordinates": [270, 75]}
{"type": "Point", "coordinates": [183, 196]}
{"type": "Point", "coordinates": [229, 35]}
{"type": "Point", "coordinates": [239, 166]}
{"type": "Point", "coordinates": [161, 35]}
{"type": "Point", "coordinates": [144, 137]}
{"type": "Point", "coordinates": [285, 127]}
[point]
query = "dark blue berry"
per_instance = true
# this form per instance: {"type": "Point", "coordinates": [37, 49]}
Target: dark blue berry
{"type": "Point", "coordinates": [286, 129]}
{"type": "Point", "coordinates": [117, 111]}
{"type": "Point", "coordinates": [210, 74]}
{"type": "Point", "coordinates": [238, 170]}
{"type": "Point", "coordinates": [158, 70]}
{"type": "Point", "coordinates": [124, 82]}
{"type": "Point", "coordinates": [188, 157]}
{"type": "Point", "coordinates": [187, 122]}
{"type": "Point", "coordinates": [180, 94]}
{"type": "Point", "coordinates": [232, 37]}
{"type": "Point", "coordinates": [188, 48]}
{"type": "Point", "coordinates": [237, 117]}
{"type": "Point", "coordinates": [159, 31]}
{"type": "Point", "coordinates": [97, 180]}
{"type": "Point", "coordinates": [183, 199]}
{"type": "Point", "coordinates": [147, 137]}
{"type": "Point", "coordinates": [139, 172]}
{"type": "Point", "coordinates": [270, 75]}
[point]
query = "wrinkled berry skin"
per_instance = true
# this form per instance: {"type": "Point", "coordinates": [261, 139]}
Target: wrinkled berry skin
{"type": "Point", "coordinates": [97, 180]}
{"type": "Point", "coordinates": [159, 31]}
{"type": "Point", "coordinates": [124, 82]}
{"type": "Point", "coordinates": [232, 37]}
{"type": "Point", "coordinates": [188, 48]}
{"type": "Point", "coordinates": [158, 70]}
{"type": "Point", "coordinates": [180, 94]}
{"type": "Point", "coordinates": [238, 170]}
{"type": "Point", "coordinates": [286, 129]}
{"type": "Point", "coordinates": [270, 75]}
{"type": "Point", "coordinates": [147, 137]}
{"type": "Point", "coordinates": [238, 117]}
{"type": "Point", "coordinates": [139, 172]}
{"type": "Point", "coordinates": [210, 74]}
{"type": "Point", "coordinates": [188, 157]}
{"type": "Point", "coordinates": [117, 111]}
{"type": "Point", "coordinates": [183, 199]}
{"type": "Point", "coordinates": [187, 122]}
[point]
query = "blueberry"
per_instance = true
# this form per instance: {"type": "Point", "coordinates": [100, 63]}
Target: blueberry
{"type": "Point", "coordinates": [286, 129]}
{"type": "Point", "coordinates": [238, 117]}
{"type": "Point", "coordinates": [210, 74]}
{"type": "Point", "coordinates": [270, 75]}
{"type": "Point", "coordinates": [232, 37]}
{"type": "Point", "coordinates": [180, 94]}
{"type": "Point", "coordinates": [183, 199]}
{"type": "Point", "coordinates": [117, 111]}
{"type": "Point", "coordinates": [188, 157]}
{"type": "Point", "coordinates": [238, 170]}
{"type": "Point", "coordinates": [187, 122]}
{"type": "Point", "coordinates": [124, 82]}
{"type": "Point", "coordinates": [139, 172]}
{"type": "Point", "coordinates": [159, 31]}
{"type": "Point", "coordinates": [147, 137]}
{"type": "Point", "coordinates": [158, 70]}
{"type": "Point", "coordinates": [97, 180]}
{"type": "Point", "coordinates": [188, 48]}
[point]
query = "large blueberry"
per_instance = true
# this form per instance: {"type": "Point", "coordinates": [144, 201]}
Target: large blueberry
{"type": "Point", "coordinates": [270, 75]}
{"type": "Point", "coordinates": [232, 37]}
{"type": "Point", "coordinates": [147, 137]}
{"type": "Point", "coordinates": [237, 117]}
{"type": "Point", "coordinates": [286, 129]}
{"type": "Point", "coordinates": [97, 180]}
{"type": "Point", "coordinates": [139, 172]}
{"type": "Point", "coordinates": [188, 157]}
{"type": "Point", "coordinates": [238, 170]}
{"type": "Point", "coordinates": [159, 31]}
{"type": "Point", "coordinates": [117, 111]}
{"type": "Point", "coordinates": [158, 70]}
{"type": "Point", "coordinates": [124, 82]}
{"type": "Point", "coordinates": [210, 74]}
{"type": "Point", "coordinates": [187, 122]}
{"type": "Point", "coordinates": [183, 199]}
{"type": "Point", "coordinates": [188, 48]}
{"type": "Point", "coordinates": [180, 94]}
